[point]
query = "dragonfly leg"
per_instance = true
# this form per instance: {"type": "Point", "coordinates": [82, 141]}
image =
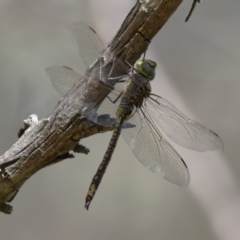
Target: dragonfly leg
{"type": "Point", "coordinates": [113, 64]}
{"type": "Point", "coordinates": [132, 67]}
{"type": "Point", "coordinates": [116, 78]}
{"type": "Point", "coordinates": [119, 79]}
{"type": "Point", "coordinates": [114, 101]}
{"type": "Point", "coordinates": [100, 68]}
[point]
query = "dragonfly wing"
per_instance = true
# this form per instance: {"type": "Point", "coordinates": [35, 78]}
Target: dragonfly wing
{"type": "Point", "coordinates": [88, 42]}
{"type": "Point", "coordinates": [63, 78]}
{"type": "Point", "coordinates": [180, 128]}
{"type": "Point", "coordinates": [153, 151]}
{"type": "Point", "coordinates": [110, 104]}
{"type": "Point", "coordinates": [104, 99]}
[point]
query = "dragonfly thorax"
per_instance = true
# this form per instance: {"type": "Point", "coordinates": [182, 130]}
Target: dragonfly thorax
{"type": "Point", "coordinates": [135, 92]}
{"type": "Point", "coordinates": [143, 89]}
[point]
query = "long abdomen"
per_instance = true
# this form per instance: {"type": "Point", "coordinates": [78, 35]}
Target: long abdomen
{"type": "Point", "coordinates": [103, 166]}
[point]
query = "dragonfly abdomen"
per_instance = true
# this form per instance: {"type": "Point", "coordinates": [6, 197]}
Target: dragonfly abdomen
{"type": "Point", "coordinates": [103, 166]}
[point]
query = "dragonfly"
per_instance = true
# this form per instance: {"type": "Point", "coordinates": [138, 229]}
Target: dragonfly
{"type": "Point", "coordinates": [131, 101]}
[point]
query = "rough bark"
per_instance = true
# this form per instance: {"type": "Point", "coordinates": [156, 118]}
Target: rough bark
{"type": "Point", "coordinates": [49, 140]}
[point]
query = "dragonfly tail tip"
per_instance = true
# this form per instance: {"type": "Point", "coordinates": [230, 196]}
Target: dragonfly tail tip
{"type": "Point", "coordinates": [87, 204]}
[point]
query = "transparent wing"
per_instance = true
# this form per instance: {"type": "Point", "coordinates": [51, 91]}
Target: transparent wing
{"type": "Point", "coordinates": [153, 151]}
{"type": "Point", "coordinates": [108, 98]}
{"type": "Point", "coordinates": [89, 47]}
{"type": "Point", "coordinates": [88, 42]}
{"type": "Point", "coordinates": [180, 128]}
{"type": "Point", "coordinates": [63, 78]}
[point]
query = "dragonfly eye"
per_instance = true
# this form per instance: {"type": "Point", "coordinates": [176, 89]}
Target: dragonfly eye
{"type": "Point", "coordinates": [147, 68]}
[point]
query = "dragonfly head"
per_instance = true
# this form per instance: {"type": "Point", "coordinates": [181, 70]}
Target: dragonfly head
{"type": "Point", "coordinates": [147, 68]}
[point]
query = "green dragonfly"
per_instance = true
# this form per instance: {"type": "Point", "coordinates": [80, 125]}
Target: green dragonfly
{"type": "Point", "coordinates": [131, 101]}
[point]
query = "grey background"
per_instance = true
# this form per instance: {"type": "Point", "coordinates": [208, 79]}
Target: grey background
{"type": "Point", "coordinates": [198, 71]}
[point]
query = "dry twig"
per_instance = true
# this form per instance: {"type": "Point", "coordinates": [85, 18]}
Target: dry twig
{"type": "Point", "coordinates": [192, 9]}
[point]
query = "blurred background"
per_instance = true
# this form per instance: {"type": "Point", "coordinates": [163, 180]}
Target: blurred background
{"type": "Point", "coordinates": [198, 71]}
